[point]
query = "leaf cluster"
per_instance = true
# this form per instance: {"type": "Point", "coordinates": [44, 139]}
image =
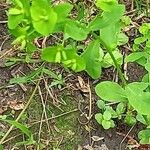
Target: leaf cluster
{"type": "Point", "coordinates": [29, 20]}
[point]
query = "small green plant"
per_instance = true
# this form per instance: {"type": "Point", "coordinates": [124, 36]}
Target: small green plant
{"type": "Point", "coordinates": [32, 19]}
{"type": "Point", "coordinates": [108, 114]}
{"type": "Point", "coordinates": [141, 49]}
{"type": "Point", "coordinates": [106, 118]}
{"type": "Point", "coordinates": [135, 96]}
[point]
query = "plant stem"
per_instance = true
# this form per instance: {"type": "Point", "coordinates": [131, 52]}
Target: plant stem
{"type": "Point", "coordinates": [115, 62]}
{"type": "Point", "coordinates": [24, 61]}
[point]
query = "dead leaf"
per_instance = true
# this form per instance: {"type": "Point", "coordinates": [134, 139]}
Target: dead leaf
{"type": "Point", "coordinates": [82, 85]}
{"type": "Point", "coordinates": [133, 143]}
{"type": "Point", "coordinates": [15, 105]}
{"type": "Point", "coordinates": [97, 138]}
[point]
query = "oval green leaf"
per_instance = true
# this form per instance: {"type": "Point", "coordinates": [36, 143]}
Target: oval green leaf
{"type": "Point", "coordinates": [110, 91]}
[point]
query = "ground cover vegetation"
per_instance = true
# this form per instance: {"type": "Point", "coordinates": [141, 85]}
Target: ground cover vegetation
{"type": "Point", "coordinates": [85, 44]}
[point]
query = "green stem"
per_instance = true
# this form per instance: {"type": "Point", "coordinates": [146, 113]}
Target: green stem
{"type": "Point", "coordinates": [115, 62]}
{"type": "Point", "coordinates": [24, 61]}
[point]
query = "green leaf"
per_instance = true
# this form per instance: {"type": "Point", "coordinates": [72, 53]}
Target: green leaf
{"type": "Point", "coordinates": [43, 17]}
{"type": "Point", "coordinates": [140, 40]}
{"type": "Point", "coordinates": [129, 119]}
{"type": "Point", "coordinates": [108, 62]}
{"type": "Point", "coordinates": [144, 136]}
{"type": "Point", "coordinates": [14, 20]}
{"type": "Point", "coordinates": [75, 30]}
{"type": "Point", "coordinates": [106, 124]}
{"type": "Point", "coordinates": [19, 31]}
{"type": "Point", "coordinates": [17, 14]}
{"type": "Point", "coordinates": [62, 11]}
{"type": "Point", "coordinates": [141, 118]}
{"type": "Point", "coordinates": [107, 115]}
{"type": "Point", "coordinates": [109, 35]}
{"type": "Point", "coordinates": [138, 87]}
{"type": "Point", "coordinates": [112, 124]}
{"type": "Point", "coordinates": [122, 39]}
{"type": "Point", "coordinates": [99, 118]}
{"type": "Point", "coordinates": [112, 111]}
{"type": "Point", "coordinates": [147, 66]}
{"type": "Point", "coordinates": [68, 57]}
{"type": "Point", "coordinates": [144, 29]}
{"type": "Point", "coordinates": [105, 4]}
{"type": "Point", "coordinates": [120, 108]}
{"type": "Point", "coordinates": [126, 21]}
{"type": "Point", "coordinates": [50, 54]}
{"type": "Point", "coordinates": [3, 117]}
{"type": "Point", "coordinates": [107, 18]}
{"type": "Point", "coordinates": [50, 73]}
{"type": "Point", "coordinates": [148, 43]}
{"type": "Point", "coordinates": [23, 129]}
{"type": "Point", "coordinates": [59, 27]}
{"type": "Point", "coordinates": [110, 91]}
{"type": "Point", "coordinates": [140, 102]}
{"type": "Point", "coordinates": [145, 78]}
{"type": "Point", "coordinates": [75, 62]}
{"type": "Point", "coordinates": [81, 11]}
{"type": "Point", "coordinates": [93, 57]}
{"type": "Point", "coordinates": [135, 56]}
{"type": "Point", "coordinates": [139, 99]}
{"type": "Point", "coordinates": [30, 47]}
{"type": "Point", "coordinates": [17, 3]}
{"type": "Point", "coordinates": [14, 11]}
{"type": "Point", "coordinates": [80, 64]}
{"type": "Point", "coordinates": [100, 104]}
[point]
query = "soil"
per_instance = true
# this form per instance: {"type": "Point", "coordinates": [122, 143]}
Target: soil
{"type": "Point", "coordinates": [135, 72]}
{"type": "Point", "coordinates": [71, 131]}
